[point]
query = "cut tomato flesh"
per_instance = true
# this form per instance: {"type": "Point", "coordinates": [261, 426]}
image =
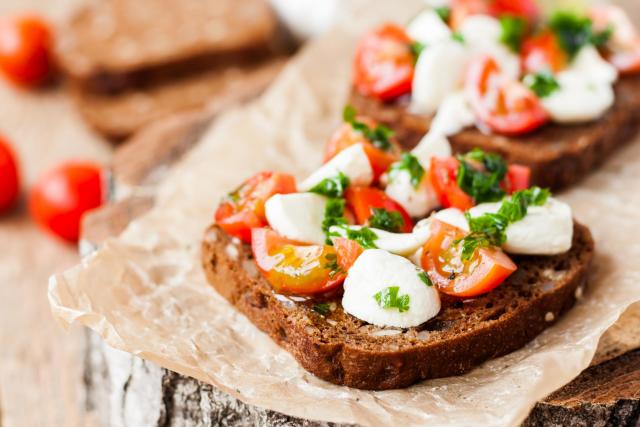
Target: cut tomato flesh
{"type": "Point", "coordinates": [543, 53]}
{"type": "Point", "coordinates": [443, 173]}
{"type": "Point", "coordinates": [363, 200]}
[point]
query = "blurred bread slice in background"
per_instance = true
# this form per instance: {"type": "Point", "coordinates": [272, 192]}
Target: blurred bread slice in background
{"type": "Point", "coordinates": [133, 62]}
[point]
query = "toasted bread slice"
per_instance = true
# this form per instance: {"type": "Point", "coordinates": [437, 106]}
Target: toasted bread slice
{"type": "Point", "coordinates": [558, 155]}
{"type": "Point", "coordinates": [118, 36]}
{"type": "Point", "coordinates": [120, 114]}
{"type": "Point", "coordinates": [344, 350]}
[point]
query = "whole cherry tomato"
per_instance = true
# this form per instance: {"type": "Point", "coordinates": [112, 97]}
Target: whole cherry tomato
{"type": "Point", "coordinates": [25, 44]}
{"type": "Point", "coordinates": [61, 196]}
{"type": "Point", "coordinates": [9, 178]}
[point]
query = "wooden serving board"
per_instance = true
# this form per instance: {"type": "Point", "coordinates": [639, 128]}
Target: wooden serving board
{"type": "Point", "coordinates": [125, 390]}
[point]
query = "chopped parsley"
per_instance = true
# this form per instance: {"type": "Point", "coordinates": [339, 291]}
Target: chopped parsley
{"type": "Point", "coordinates": [333, 215]}
{"type": "Point", "coordinates": [332, 265]}
{"type": "Point", "coordinates": [443, 12]}
{"type": "Point", "coordinates": [490, 229]}
{"type": "Point", "coordinates": [388, 298]}
{"type": "Point", "coordinates": [386, 220]}
{"type": "Point", "coordinates": [513, 31]}
{"type": "Point", "coordinates": [364, 236]}
{"type": "Point", "coordinates": [424, 277]}
{"type": "Point", "coordinates": [332, 187]}
{"type": "Point", "coordinates": [542, 84]}
{"type": "Point", "coordinates": [458, 37]}
{"type": "Point", "coordinates": [379, 136]}
{"type": "Point", "coordinates": [322, 308]}
{"type": "Point", "coordinates": [483, 185]}
{"type": "Point", "coordinates": [410, 163]}
{"type": "Point", "coordinates": [416, 49]}
{"type": "Point", "coordinates": [574, 31]}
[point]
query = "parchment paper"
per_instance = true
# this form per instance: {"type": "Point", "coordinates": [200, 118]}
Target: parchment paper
{"type": "Point", "coordinates": [145, 293]}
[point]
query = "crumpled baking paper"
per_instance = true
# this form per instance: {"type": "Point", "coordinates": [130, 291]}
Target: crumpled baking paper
{"type": "Point", "coordinates": [144, 292]}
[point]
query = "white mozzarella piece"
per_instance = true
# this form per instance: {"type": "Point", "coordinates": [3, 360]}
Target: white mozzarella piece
{"type": "Point", "coordinates": [452, 216]}
{"type": "Point", "coordinates": [373, 272]}
{"type": "Point", "coordinates": [416, 201]}
{"type": "Point", "coordinates": [579, 99]}
{"type": "Point", "coordinates": [297, 216]}
{"type": "Point", "coordinates": [454, 114]}
{"type": "Point", "coordinates": [545, 230]}
{"type": "Point", "coordinates": [439, 71]}
{"type": "Point", "coordinates": [590, 65]}
{"type": "Point", "coordinates": [427, 27]}
{"type": "Point", "coordinates": [403, 244]}
{"type": "Point", "coordinates": [306, 18]}
{"type": "Point", "coordinates": [432, 145]}
{"type": "Point", "coordinates": [352, 161]}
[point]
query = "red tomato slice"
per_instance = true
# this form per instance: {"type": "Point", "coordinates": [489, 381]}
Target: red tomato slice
{"type": "Point", "coordinates": [461, 9]}
{"type": "Point", "coordinates": [383, 65]}
{"type": "Point", "coordinates": [487, 268]}
{"type": "Point", "coordinates": [518, 178]}
{"type": "Point", "coordinates": [10, 187]}
{"type": "Point", "coordinates": [346, 136]}
{"type": "Point", "coordinates": [295, 268]}
{"type": "Point", "coordinates": [443, 172]}
{"type": "Point", "coordinates": [61, 196]}
{"type": "Point", "coordinates": [543, 53]}
{"type": "Point", "coordinates": [25, 57]}
{"type": "Point", "coordinates": [243, 209]}
{"type": "Point", "coordinates": [362, 201]}
{"type": "Point", "coordinates": [623, 50]}
{"type": "Point", "coordinates": [506, 106]}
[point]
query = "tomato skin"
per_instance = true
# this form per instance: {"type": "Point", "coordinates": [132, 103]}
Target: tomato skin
{"type": "Point", "coordinates": [346, 136]}
{"type": "Point", "coordinates": [362, 201]}
{"type": "Point", "coordinates": [543, 52]}
{"type": "Point", "coordinates": [383, 65]}
{"type": "Point", "coordinates": [299, 269]}
{"type": "Point", "coordinates": [243, 209]}
{"type": "Point", "coordinates": [462, 9]}
{"type": "Point", "coordinates": [62, 195]}
{"type": "Point", "coordinates": [25, 57]}
{"type": "Point", "coordinates": [443, 173]}
{"type": "Point", "coordinates": [505, 106]}
{"type": "Point", "coordinates": [9, 177]}
{"type": "Point", "coordinates": [486, 269]}
{"type": "Point", "coordinates": [518, 178]}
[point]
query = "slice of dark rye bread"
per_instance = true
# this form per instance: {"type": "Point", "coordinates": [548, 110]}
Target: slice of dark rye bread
{"type": "Point", "coordinates": [344, 350]}
{"type": "Point", "coordinates": [559, 155]}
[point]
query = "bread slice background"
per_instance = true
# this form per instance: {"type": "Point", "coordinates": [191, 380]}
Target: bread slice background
{"type": "Point", "coordinates": [558, 155]}
{"type": "Point", "coordinates": [344, 350]}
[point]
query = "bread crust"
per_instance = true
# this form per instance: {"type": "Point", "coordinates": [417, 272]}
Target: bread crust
{"type": "Point", "coordinates": [558, 155]}
{"type": "Point", "coordinates": [344, 350]}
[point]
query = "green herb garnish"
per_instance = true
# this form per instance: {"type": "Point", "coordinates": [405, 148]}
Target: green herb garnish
{"type": "Point", "coordinates": [458, 37]}
{"type": "Point", "coordinates": [364, 236]}
{"type": "Point", "coordinates": [490, 229]}
{"type": "Point", "coordinates": [388, 298]}
{"type": "Point", "coordinates": [322, 308]}
{"type": "Point", "coordinates": [416, 49]}
{"type": "Point", "coordinates": [383, 219]}
{"type": "Point", "coordinates": [332, 265]}
{"type": "Point", "coordinates": [332, 187]}
{"type": "Point", "coordinates": [542, 84]}
{"type": "Point", "coordinates": [424, 277]}
{"type": "Point", "coordinates": [514, 29]}
{"type": "Point", "coordinates": [443, 12]}
{"type": "Point", "coordinates": [483, 185]}
{"type": "Point", "coordinates": [379, 136]}
{"type": "Point", "coordinates": [410, 163]}
{"type": "Point", "coordinates": [333, 215]}
{"type": "Point", "coordinates": [575, 31]}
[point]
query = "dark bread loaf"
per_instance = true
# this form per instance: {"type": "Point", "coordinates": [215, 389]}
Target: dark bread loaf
{"type": "Point", "coordinates": [344, 350]}
{"type": "Point", "coordinates": [559, 155]}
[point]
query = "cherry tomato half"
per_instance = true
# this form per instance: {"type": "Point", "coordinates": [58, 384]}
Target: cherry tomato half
{"type": "Point", "coordinates": [243, 209]}
{"type": "Point", "coordinates": [346, 136]}
{"type": "Point", "coordinates": [518, 178]}
{"type": "Point", "coordinates": [461, 9]}
{"type": "Point", "coordinates": [9, 179]}
{"type": "Point", "coordinates": [383, 64]}
{"type": "Point", "coordinates": [543, 52]}
{"type": "Point", "coordinates": [363, 200]}
{"type": "Point", "coordinates": [441, 258]}
{"type": "Point", "coordinates": [25, 43]}
{"type": "Point", "coordinates": [506, 106]}
{"type": "Point", "coordinates": [443, 173]}
{"type": "Point", "coordinates": [61, 196]}
{"type": "Point", "coordinates": [295, 268]}
{"type": "Point", "coordinates": [623, 49]}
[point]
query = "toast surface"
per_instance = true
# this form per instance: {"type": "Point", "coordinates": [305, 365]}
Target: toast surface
{"type": "Point", "coordinates": [344, 350]}
{"type": "Point", "coordinates": [118, 36]}
{"type": "Point", "coordinates": [558, 155]}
